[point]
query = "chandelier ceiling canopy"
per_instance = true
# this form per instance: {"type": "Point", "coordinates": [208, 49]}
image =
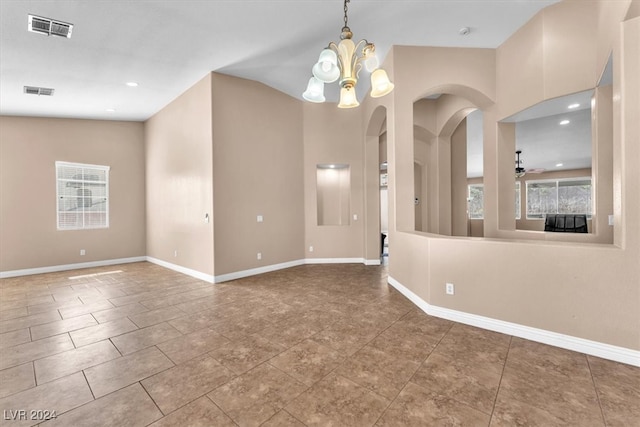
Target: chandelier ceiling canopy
{"type": "Point", "coordinates": [342, 62]}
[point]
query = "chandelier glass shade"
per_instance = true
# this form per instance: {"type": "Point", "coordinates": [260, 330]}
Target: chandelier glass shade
{"type": "Point", "coordinates": [342, 62]}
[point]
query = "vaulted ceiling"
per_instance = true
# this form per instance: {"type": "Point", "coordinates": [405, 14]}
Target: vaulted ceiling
{"type": "Point", "coordinates": [167, 45]}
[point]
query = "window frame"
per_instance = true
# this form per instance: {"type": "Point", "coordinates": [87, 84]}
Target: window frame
{"type": "Point", "coordinates": [557, 182]}
{"type": "Point", "coordinates": [478, 185]}
{"type": "Point", "coordinates": [81, 183]}
{"type": "Point", "coordinates": [517, 200]}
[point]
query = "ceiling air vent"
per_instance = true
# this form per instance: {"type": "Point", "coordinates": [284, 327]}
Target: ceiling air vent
{"type": "Point", "coordinates": [50, 27]}
{"type": "Point", "coordinates": [34, 90]}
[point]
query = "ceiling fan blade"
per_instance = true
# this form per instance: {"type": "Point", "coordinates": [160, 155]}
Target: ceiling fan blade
{"type": "Point", "coordinates": [536, 170]}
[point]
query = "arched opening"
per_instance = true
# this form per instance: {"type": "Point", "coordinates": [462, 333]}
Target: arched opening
{"type": "Point", "coordinates": [441, 153]}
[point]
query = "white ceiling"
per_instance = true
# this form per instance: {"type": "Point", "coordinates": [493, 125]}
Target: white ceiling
{"type": "Point", "coordinates": [168, 45]}
{"type": "Point", "coordinates": [544, 142]}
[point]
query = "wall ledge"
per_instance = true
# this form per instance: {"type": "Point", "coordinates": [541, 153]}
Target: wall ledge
{"type": "Point", "coordinates": [593, 348]}
{"type": "Point", "coordinates": [65, 267]}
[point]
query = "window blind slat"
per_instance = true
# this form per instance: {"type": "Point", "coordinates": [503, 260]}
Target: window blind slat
{"type": "Point", "coordinates": [82, 196]}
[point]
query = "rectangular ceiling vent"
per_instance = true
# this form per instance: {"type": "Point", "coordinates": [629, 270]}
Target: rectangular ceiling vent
{"type": "Point", "coordinates": [50, 27]}
{"type": "Point", "coordinates": [34, 90]}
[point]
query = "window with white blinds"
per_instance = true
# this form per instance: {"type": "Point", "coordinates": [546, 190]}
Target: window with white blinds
{"type": "Point", "coordinates": [476, 203]}
{"type": "Point", "coordinates": [82, 193]}
{"type": "Point", "coordinates": [559, 196]}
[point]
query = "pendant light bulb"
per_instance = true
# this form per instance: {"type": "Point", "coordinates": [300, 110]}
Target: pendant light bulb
{"type": "Point", "coordinates": [348, 98]}
{"type": "Point", "coordinates": [380, 83]}
{"type": "Point", "coordinates": [315, 91]}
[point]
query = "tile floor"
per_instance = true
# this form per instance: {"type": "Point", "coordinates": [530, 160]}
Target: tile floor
{"type": "Point", "coordinates": [317, 345]}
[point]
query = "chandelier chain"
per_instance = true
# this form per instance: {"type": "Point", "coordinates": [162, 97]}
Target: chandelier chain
{"type": "Point", "coordinates": [346, 18]}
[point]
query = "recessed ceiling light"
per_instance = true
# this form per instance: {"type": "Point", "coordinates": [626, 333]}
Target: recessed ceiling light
{"type": "Point", "coordinates": [565, 122]}
{"type": "Point", "coordinates": [572, 106]}
{"type": "Point", "coordinates": [111, 110]}
{"type": "Point", "coordinates": [132, 84]}
{"type": "Point", "coordinates": [559, 165]}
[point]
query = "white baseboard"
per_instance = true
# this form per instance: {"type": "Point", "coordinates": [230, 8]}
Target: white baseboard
{"type": "Point", "coordinates": [593, 348]}
{"type": "Point", "coordinates": [258, 270]}
{"type": "Point", "coordinates": [65, 267]}
{"type": "Point", "coordinates": [274, 267]}
{"type": "Point", "coordinates": [333, 260]}
{"type": "Point", "coordinates": [190, 272]}
{"type": "Point", "coordinates": [181, 269]}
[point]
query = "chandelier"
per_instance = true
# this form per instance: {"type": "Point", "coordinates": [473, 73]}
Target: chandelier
{"type": "Point", "coordinates": [343, 62]}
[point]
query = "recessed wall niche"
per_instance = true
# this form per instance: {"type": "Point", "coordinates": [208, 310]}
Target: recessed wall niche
{"type": "Point", "coordinates": [333, 192]}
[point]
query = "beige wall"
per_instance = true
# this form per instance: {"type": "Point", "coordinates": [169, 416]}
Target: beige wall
{"type": "Point", "coordinates": [257, 170]}
{"type": "Point", "coordinates": [459, 216]}
{"type": "Point", "coordinates": [333, 135]}
{"type": "Point", "coordinates": [29, 148]}
{"type": "Point", "coordinates": [179, 181]}
{"type": "Point", "coordinates": [585, 290]}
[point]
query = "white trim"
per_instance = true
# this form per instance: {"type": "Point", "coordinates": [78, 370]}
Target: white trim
{"type": "Point", "coordinates": [274, 267]}
{"type": "Point", "coordinates": [181, 269]}
{"type": "Point", "coordinates": [593, 348]}
{"type": "Point", "coordinates": [56, 268]}
{"type": "Point", "coordinates": [59, 197]}
{"type": "Point", "coordinates": [333, 260]}
{"type": "Point", "coordinates": [189, 272]}
{"type": "Point", "coordinates": [258, 270]}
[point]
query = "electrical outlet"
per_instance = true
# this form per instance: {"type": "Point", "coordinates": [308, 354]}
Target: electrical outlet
{"type": "Point", "coordinates": [82, 252]}
{"type": "Point", "coordinates": [259, 256]}
{"type": "Point", "coordinates": [449, 288]}
{"type": "Point", "coordinates": [260, 218]}
{"type": "Point", "coordinates": [355, 217]}
{"type": "Point", "coordinates": [310, 248]}
{"type": "Point", "coordinates": [175, 253]}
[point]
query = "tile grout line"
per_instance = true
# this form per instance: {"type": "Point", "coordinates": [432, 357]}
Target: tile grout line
{"type": "Point", "coordinates": [89, 385]}
{"type": "Point", "coordinates": [504, 367]}
{"type": "Point", "coordinates": [154, 402]}
{"type": "Point", "coordinates": [206, 395]}
{"type": "Point", "coordinates": [595, 388]}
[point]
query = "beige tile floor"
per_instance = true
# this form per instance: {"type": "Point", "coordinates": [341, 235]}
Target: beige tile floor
{"type": "Point", "coordinates": [323, 345]}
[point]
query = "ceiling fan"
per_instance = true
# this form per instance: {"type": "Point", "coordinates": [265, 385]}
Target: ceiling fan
{"type": "Point", "coordinates": [520, 171]}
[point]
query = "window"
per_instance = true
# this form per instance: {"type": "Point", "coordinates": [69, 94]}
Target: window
{"type": "Point", "coordinates": [476, 201]}
{"type": "Point", "coordinates": [82, 196]}
{"type": "Point", "coordinates": [561, 196]}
